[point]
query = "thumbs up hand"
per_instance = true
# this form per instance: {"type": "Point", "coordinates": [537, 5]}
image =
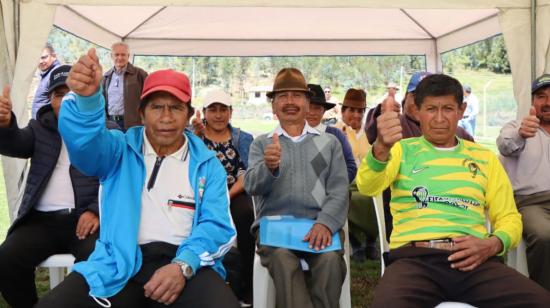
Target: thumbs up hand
{"type": "Point", "coordinates": [390, 104]}
{"type": "Point", "coordinates": [198, 125]}
{"type": "Point", "coordinates": [5, 108]}
{"type": "Point", "coordinates": [85, 75]}
{"type": "Point", "coordinates": [529, 125]}
{"type": "Point", "coordinates": [389, 130]}
{"type": "Point", "coordinates": [272, 154]}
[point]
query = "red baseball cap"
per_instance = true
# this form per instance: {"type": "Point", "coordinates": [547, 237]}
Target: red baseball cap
{"type": "Point", "coordinates": [170, 81]}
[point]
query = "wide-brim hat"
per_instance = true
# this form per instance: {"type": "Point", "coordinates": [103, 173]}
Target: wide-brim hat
{"type": "Point", "coordinates": [58, 77]}
{"type": "Point", "coordinates": [289, 79]}
{"type": "Point", "coordinates": [318, 97]}
{"type": "Point", "coordinates": [540, 82]}
{"type": "Point", "coordinates": [170, 81]}
{"type": "Point", "coordinates": [392, 85]}
{"type": "Point", "coordinates": [355, 98]}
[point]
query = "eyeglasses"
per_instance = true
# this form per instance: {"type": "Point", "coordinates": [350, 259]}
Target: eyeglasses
{"type": "Point", "coordinates": [44, 57]}
{"type": "Point", "coordinates": [327, 91]}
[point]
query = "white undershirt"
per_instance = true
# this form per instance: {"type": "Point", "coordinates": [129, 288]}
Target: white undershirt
{"type": "Point", "coordinates": [446, 149]}
{"type": "Point", "coordinates": [59, 193]}
{"type": "Point", "coordinates": [307, 130]}
{"type": "Point", "coordinates": [167, 209]}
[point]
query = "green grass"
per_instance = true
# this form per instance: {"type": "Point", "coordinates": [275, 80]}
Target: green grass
{"type": "Point", "coordinates": [4, 216]}
{"type": "Point", "coordinates": [253, 126]}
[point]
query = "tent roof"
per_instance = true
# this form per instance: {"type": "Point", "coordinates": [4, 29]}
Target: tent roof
{"type": "Point", "coordinates": [246, 30]}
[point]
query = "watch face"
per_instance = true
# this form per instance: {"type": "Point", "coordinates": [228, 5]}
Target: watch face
{"type": "Point", "coordinates": [187, 271]}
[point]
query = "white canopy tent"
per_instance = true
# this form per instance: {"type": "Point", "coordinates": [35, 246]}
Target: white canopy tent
{"type": "Point", "coordinates": [263, 28]}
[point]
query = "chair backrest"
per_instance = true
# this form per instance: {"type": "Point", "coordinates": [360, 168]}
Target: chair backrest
{"type": "Point", "coordinates": [384, 245]}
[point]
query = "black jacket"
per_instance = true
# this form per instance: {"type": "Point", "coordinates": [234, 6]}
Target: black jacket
{"type": "Point", "coordinates": [40, 141]}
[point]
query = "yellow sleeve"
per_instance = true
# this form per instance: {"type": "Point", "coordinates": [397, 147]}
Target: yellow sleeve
{"type": "Point", "coordinates": [374, 176]}
{"type": "Point", "coordinates": [503, 213]}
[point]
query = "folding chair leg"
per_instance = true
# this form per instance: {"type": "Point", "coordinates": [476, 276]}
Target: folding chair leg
{"type": "Point", "coordinates": [57, 274]}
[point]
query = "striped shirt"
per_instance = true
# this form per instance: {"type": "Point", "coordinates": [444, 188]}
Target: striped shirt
{"type": "Point", "coordinates": [443, 193]}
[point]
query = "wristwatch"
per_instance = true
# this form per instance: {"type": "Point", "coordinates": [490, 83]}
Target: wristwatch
{"type": "Point", "coordinates": [186, 269]}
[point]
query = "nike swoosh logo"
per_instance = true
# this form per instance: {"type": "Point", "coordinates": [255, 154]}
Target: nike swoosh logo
{"type": "Point", "coordinates": [415, 171]}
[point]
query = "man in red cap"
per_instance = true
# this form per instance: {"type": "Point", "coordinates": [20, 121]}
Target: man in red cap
{"type": "Point", "coordinates": [164, 205]}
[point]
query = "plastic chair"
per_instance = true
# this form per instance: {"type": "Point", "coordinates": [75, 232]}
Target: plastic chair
{"type": "Point", "coordinates": [264, 289]}
{"type": "Point", "coordinates": [517, 259]}
{"type": "Point", "coordinates": [385, 247]}
{"type": "Point", "coordinates": [57, 265]}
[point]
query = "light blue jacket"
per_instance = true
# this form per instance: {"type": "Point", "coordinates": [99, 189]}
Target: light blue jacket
{"type": "Point", "coordinates": [242, 140]}
{"type": "Point", "coordinates": [117, 159]}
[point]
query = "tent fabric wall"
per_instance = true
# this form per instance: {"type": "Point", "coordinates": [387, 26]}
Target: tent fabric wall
{"type": "Point", "coordinates": [37, 16]}
{"type": "Point", "coordinates": [543, 37]}
{"type": "Point", "coordinates": [412, 4]}
{"type": "Point", "coordinates": [7, 41]}
{"type": "Point", "coordinates": [516, 29]}
{"type": "Point", "coordinates": [35, 25]}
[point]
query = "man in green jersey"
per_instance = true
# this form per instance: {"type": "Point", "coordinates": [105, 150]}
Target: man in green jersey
{"type": "Point", "coordinates": [443, 189]}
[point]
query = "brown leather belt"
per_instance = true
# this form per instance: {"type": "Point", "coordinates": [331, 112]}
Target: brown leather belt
{"type": "Point", "coordinates": [444, 244]}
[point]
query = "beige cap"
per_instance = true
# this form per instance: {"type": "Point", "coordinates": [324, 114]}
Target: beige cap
{"type": "Point", "coordinates": [217, 96]}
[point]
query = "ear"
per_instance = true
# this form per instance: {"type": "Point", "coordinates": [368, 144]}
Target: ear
{"type": "Point", "coordinates": [141, 114]}
{"type": "Point", "coordinates": [415, 110]}
{"type": "Point", "coordinates": [462, 109]}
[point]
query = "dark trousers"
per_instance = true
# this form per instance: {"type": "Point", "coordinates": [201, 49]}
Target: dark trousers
{"type": "Point", "coordinates": [422, 277]}
{"type": "Point", "coordinates": [39, 236]}
{"type": "Point", "coordinates": [206, 289]}
{"type": "Point", "coordinates": [535, 214]}
{"type": "Point", "coordinates": [361, 219]}
{"type": "Point", "coordinates": [327, 272]}
{"type": "Point", "coordinates": [243, 217]}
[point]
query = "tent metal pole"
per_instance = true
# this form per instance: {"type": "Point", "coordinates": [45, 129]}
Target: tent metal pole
{"type": "Point", "coordinates": [16, 15]}
{"type": "Point", "coordinates": [533, 39]}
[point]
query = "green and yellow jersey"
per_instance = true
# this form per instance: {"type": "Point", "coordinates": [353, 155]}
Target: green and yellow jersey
{"type": "Point", "coordinates": [443, 193]}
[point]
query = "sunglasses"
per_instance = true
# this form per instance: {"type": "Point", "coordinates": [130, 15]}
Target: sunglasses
{"type": "Point", "coordinates": [44, 57]}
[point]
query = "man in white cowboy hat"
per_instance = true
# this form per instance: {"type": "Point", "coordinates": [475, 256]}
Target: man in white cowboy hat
{"type": "Point", "coordinates": [296, 170]}
{"type": "Point", "coordinates": [392, 91]}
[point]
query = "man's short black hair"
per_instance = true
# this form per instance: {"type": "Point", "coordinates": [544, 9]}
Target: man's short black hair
{"type": "Point", "coordinates": [438, 85]}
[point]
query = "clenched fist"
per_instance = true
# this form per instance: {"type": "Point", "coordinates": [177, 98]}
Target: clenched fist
{"type": "Point", "coordinates": [85, 75]}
